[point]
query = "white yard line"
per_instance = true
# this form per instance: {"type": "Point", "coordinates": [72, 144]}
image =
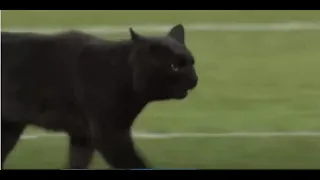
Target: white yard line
{"type": "Point", "coordinates": [143, 135]}
{"type": "Point", "coordinates": [116, 29]}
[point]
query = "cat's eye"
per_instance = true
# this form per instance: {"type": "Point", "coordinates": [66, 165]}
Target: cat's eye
{"type": "Point", "coordinates": [175, 67]}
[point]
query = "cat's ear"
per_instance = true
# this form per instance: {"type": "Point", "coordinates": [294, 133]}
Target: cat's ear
{"type": "Point", "coordinates": [135, 37]}
{"type": "Point", "coordinates": [177, 33]}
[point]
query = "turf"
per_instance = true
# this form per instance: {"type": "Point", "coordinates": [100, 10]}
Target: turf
{"type": "Point", "coordinates": [250, 81]}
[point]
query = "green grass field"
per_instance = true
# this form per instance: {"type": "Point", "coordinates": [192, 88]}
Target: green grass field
{"type": "Point", "coordinates": [250, 81]}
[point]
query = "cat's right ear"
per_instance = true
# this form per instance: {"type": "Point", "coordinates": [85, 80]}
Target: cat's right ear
{"type": "Point", "coordinates": [177, 32]}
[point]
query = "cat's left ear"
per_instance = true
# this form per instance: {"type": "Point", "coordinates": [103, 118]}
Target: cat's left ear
{"type": "Point", "coordinates": [135, 37]}
{"type": "Point", "coordinates": [177, 33]}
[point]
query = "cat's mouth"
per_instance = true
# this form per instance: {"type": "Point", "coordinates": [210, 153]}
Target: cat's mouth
{"type": "Point", "coordinates": [181, 94]}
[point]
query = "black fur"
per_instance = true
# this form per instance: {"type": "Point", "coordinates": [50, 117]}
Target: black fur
{"type": "Point", "coordinates": [90, 88]}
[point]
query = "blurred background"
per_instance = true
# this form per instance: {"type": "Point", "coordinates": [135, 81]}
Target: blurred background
{"type": "Point", "coordinates": [258, 100]}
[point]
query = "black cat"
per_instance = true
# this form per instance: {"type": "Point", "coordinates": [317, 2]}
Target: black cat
{"type": "Point", "coordinates": [90, 88]}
